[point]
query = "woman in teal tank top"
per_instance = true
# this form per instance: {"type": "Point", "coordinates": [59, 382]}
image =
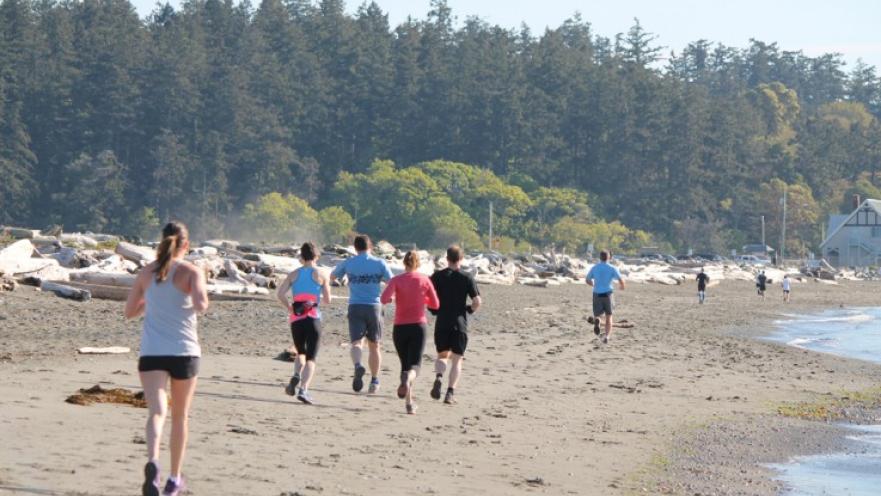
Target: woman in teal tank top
{"type": "Point", "coordinates": [301, 293]}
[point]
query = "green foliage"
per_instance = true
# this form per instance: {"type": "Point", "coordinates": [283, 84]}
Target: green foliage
{"type": "Point", "coordinates": [403, 206]}
{"type": "Point", "coordinates": [574, 236]}
{"type": "Point", "coordinates": [336, 224]}
{"type": "Point", "coordinates": [95, 194]}
{"type": "Point", "coordinates": [802, 214]}
{"type": "Point", "coordinates": [281, 218]}
{"type": "Point", "coordinates": [210, 106]}
{"type": "Point", "coordinates": [144, 223]}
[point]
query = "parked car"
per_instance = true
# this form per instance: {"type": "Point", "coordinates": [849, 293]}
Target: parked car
{"type": "Point", "coordinates": [708, 257]}
{"type": "Point", "coordinates": [752, 260]}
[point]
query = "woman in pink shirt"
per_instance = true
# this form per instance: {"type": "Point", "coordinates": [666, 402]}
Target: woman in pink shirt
{"type": "Point", "coordinates": [412, 292]}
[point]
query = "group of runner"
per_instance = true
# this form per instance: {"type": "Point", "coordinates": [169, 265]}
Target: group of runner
{"type": "Point", "coordinates": [445, 294]}
{"type": "Point", "coordinates": [761, 286]}
{"type": "Point", "coordinates": [170, 293]}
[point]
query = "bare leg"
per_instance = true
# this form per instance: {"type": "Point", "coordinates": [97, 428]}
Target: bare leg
{"type": "Point", "coordinates": [608, 324]}
{"type": "Point", "coordinates": [299, 364]}
{"type": "Point", "coordinates": [375, 360]}
{"type": "Point", "coordinates": [307, 374]}
{"type": "Point", "coordinates": [181, 399]}
{"type": "Point", "coordinates": [412, 374]}
{"type": "Point", "coordinates": [155, 384]}
{"type": "Point", "coordinates": [357, 351]}
{"type": "Point", "coordinates": [440, 365]}
{"type": "Point", "coordinates": [455, 370]}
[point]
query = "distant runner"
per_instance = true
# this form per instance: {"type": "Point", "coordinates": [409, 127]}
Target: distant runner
{"type": "Point", "coordinates": [169, 293]}
{"type": "Point", "coordinates": [787, 287]}
{"type": "Point", "coordinates": [307, 286]}
{"type": "Point", "coordinates": [702, 280]}
{"type": "Point", "coordinates": [761, 284]}
{"type": "Point", "coordinates": [601, 277]}
{"type": "Point", "coordinates": [412, 292]}
{"type": "Point", "coordinates": [365, 273]}
{"type": "Point", "coordinates": [451, 327]}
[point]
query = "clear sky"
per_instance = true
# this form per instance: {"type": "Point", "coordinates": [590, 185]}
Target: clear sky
{"type": "Point", "coordinates": [850, 27]}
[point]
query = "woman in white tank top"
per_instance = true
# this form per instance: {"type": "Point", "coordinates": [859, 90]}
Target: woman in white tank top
{"type": "Point", "coordinates": [169, 293]}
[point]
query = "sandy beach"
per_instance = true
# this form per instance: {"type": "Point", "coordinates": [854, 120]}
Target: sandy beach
{"type": "Point", "coordinates": [685, 402]}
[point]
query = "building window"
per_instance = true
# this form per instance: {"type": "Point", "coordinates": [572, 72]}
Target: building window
{"type": "Point", "coordinates": [876, 232]}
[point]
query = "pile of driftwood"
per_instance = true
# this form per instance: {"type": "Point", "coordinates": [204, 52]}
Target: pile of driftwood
{"type": "Point", "coordinates": [81, 266]}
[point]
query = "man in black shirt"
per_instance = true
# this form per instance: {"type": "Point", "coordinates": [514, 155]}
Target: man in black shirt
{"type": "Point", "coordinates": [702, 280]}
{"type": "Point", "coordinates": [451, 327]}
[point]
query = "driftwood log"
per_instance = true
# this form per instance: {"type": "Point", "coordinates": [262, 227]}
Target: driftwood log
{"type": "Point", "coordinates": [123, 279]}
{"type": "Point", "coordinates": [140, 255]}
{"type": "Point", "coordinates": [65, 291]}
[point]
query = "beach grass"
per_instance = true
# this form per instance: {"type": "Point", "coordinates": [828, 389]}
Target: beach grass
{"type": "Point", "coordinates": [834, 407]}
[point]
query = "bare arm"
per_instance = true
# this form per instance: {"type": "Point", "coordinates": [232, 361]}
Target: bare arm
{"type": "Point", "coordinates": [282, 293]}
{"type": "Point", "coordinates": [134, 305]}
{"type": "Point", "coordinates": [475, 303]}
{"type": "Point", "coordinates": [621, 283]}
{"type": "Point", "coordinates": [199, 290]}
{"type": "Point", "coordinates": [325, 290]}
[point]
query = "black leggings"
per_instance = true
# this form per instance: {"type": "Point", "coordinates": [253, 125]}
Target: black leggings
{"type": "Point", "coordinates": [409, 343]}
{"type": "Point", "coordinates": [307, 336]}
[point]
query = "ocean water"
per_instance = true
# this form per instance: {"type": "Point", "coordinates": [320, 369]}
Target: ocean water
{"type": "Point", "coordinates": [854, 333]}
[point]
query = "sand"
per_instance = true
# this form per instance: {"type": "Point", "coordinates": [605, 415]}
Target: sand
{"type": "Point", "coordinates": [683, 403]}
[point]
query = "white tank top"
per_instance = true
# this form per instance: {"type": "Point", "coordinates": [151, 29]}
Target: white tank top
{"type": "Point", "coordinates": [170, 327]}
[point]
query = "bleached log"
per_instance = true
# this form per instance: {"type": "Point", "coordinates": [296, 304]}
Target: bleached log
{"type": "Point", "coordinates": [78, 239]}
{"type": "Point", "coordinates": [232, 272]}
{"type": "Point", "coordinates": [100, 292]}
{"type": "Point", "coordinates": [141, 255]}
{"type": "Point", "coordinates": [15, 256]}
{"type": "Point", "coordinates": [123, 279]}
{"type": "Point", "coordinates": [20, 233]}
{"type": "Point", "coordinates": [109, 350]}
{"type": "Point", "coordinates": [65, 291]}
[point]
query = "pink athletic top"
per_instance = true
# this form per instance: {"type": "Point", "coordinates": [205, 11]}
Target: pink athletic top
{"type": "Point", "coordinates": [412, 292]}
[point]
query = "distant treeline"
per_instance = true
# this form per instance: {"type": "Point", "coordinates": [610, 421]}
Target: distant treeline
{"type": "Point", "coordinates": [112, 123]}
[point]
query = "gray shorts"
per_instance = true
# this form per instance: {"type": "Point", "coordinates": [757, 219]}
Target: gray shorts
{"type": "Point", "coordinates": [602, 304]}
{"type": "Point", "coordinates": [365, 321]}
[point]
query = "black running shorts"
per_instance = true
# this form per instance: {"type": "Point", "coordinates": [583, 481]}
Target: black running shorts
{"type": "Point", "coordinates": [602, 304]}
{"type": "Point", "coordinates": [307, 336]}
{"type": "Point", "coordinates": [451, 334]}
{"type": "Point", "coordinates": [178, 367]}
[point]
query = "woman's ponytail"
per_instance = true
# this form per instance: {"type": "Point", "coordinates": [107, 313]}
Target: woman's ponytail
{"type": "Point", "coordinates": [173, 236]}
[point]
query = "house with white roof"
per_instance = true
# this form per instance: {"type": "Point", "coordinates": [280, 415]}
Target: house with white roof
{"type": "Point", "coordinates": [854, 239]}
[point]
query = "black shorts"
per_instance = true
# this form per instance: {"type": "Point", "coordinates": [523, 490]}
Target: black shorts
{"type": "Point", "coordinates": [602, 304]}
{"type": "Point", "coordinates": [307, 336]}
{"type": "Point", "coordinates": [178, 367]}
{"type": "Point", "coordinates": [409, 343]}
{"type": "Point", "coordinates": [451, 334]}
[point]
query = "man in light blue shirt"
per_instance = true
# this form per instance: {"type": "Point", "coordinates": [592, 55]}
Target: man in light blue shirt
{"type": "Point", "coordinates": [365, 274]}
{"type": "Point", "coordinates": [601, 276]}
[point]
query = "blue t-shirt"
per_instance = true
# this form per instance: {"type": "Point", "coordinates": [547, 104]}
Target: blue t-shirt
{"type": "Point", "coordinates": [603, 274]}
{"type": "Point", "coordinates": [365, 273]}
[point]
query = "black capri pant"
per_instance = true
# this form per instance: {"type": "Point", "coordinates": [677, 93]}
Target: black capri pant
{"type": "Point", "coordinates": [307, 336]}
{"type": "Point", "coordinates": [409, 343]}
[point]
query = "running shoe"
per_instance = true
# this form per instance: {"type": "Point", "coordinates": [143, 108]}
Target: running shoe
{"type": "Point", "coordinates": [174, 489]}
{"type": "Point", "coordinates": [436, 388]}
{"type": "Point", "coordinates": [402, 389]}
{"type": "Point", "coordinates": [411, 408]}
{"type": "Point", "coordinates": [606, 338]}
{"type": "Point", "coordinates": [596, 327]}
{"type": "Point", "coordinates": [358, 380]}
{"type": "Point", "coordinates": [291, 388]}
{"type": "Point", "coordinates": [304, 396]}
{"type": "Point", "coordinates": [448, 399]}
{"type": "Point", "coordinates": [151, 480]}
{"type": "Point", "coordinates": [374, 386]}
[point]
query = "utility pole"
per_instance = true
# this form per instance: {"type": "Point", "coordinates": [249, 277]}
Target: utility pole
{"type": "Point", "coordinates": [490, 226]}
{"type": "Point", "coordinates": [783, 231]}
{"type": "Point", "coordinates": [764, 245]}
